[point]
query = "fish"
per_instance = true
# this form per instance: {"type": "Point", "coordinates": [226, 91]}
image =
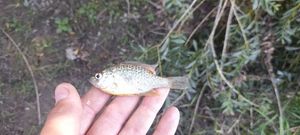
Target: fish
{"type": "Point", "coordinates": [134, 78]}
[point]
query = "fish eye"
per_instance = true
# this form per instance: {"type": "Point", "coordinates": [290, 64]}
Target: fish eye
{"type": "Point", "coordinates": [98, 75]}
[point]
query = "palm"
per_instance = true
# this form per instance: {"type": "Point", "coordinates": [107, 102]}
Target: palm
{"type": "Point", "coordinates": [123, 115]}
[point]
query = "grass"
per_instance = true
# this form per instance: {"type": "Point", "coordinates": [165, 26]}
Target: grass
{"type": "Point", "coordinates": [150, 17]}
{"type": "Point", "coordinates": [63, 25]}
{"type": "Point", "coordinates": [52, 71]}
{"type": "Point", "coordinates": [90, 11]}
{"type": "Point", "coordinates": [24, 88]}
{"type": "Point", "coordinates": [15, 25]}
{"type": "Point", "coordinates": [293, 111]}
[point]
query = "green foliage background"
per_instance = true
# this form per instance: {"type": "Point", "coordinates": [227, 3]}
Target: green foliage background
{"type": "Point", "coordinates": [243, 64]}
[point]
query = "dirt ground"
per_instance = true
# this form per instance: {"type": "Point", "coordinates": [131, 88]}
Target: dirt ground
{"type": "Point", "coordinates": [43, 29]}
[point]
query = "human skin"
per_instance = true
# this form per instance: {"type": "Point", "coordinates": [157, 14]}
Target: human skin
{"type": "Point", "coordinates": [91, 114]}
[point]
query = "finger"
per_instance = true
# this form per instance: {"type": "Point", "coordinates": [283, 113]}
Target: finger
{"type": "Point", "coordinates": [168, 123]}
{"type": "Point", "coordinates": [65, 116]}
{"type": "Point", "coordinates": [92, 102]}
{"type": "Point", "coordinates": [114, 116]}
{"type": "Point", "coordinates": [146, 111]}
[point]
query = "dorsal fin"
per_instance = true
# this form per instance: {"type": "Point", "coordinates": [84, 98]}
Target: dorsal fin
{"type": "Point", "coordinates": [151, 68]}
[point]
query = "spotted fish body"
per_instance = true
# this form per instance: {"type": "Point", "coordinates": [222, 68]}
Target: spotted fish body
{"type": "Point", "coordinates": [134, 79]}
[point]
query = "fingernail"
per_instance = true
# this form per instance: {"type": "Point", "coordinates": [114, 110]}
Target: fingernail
{"type": "Point", "coordinates": [61, 93]}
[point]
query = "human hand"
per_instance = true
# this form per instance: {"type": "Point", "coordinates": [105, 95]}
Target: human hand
{"type": "Point", "coordinates": [124, 115]}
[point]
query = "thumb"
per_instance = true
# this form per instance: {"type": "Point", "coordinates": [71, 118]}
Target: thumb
{"type": "Point", "coordinates": [64, 118]}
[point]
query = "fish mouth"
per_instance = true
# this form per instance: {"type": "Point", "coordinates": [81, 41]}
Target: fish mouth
{"type": "Point", "coordinates": [93, 81]}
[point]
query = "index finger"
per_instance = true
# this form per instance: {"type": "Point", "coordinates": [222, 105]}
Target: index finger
{"type": "Point", "coordinates": [92, 102]}
{"type": "Point", "coordinates": [146, 111]}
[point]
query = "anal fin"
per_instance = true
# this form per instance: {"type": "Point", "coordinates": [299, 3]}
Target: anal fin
{"type": "Point", "coordinates": [153, 92]}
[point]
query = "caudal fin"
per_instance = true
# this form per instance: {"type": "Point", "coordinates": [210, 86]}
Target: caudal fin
{"type": "Point", "coordinates": [180, 82]}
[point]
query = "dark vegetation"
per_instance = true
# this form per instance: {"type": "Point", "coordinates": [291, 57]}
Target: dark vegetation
{"type": "Point", "coordinates": [242, 57]}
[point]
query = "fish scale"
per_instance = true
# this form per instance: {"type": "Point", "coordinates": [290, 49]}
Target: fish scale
{"type": "Point", "coordinates": [133, 79]}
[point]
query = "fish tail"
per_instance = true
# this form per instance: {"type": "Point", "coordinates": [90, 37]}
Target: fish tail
{"type": "Point", "coordinates": [180, 82]}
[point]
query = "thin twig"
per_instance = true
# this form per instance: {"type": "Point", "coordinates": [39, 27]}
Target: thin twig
{"type": "Point", "coordinates": [268, 49]}
{"type": "Point", "coordinates": [159, 61]}
{"type": "Point", "coordinates": [231, 86]}
{"type": "Point", "coordinates": [272, 76]}
{"type": "Point", "coordinates": [210, 43]}
{"type": "Point", "coordinates": [227, 35]}
{"type": "Point", "coordinates": [189, 104]}
{"type": "Point", "coordinates": [31, 73]}
{"type": "Point", "coordinates": [196, 109]}
{"type": "Point", "coordinates": [192, 11]}
{"type": "Point", "coordinates": [251, 117]}
{"type": "Point", "coordinates": [177, 22]}
{"type": "Point", "coordinates": [154, 4]}
{"type": "Point", "coordinates": [178, 98]}
{"type": "Point", "coordinates": [216, 23]}
{"type": "Point", "coordinates": [171, 31]}
{"type": "Point", "coordinates": [239, 23]}
{"type": "Point", "coordinates": [128, 7]}
{"type": "Point", "coordinates": [198, 26]}
{"type": "Point", "coordinates": [234, 124]}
